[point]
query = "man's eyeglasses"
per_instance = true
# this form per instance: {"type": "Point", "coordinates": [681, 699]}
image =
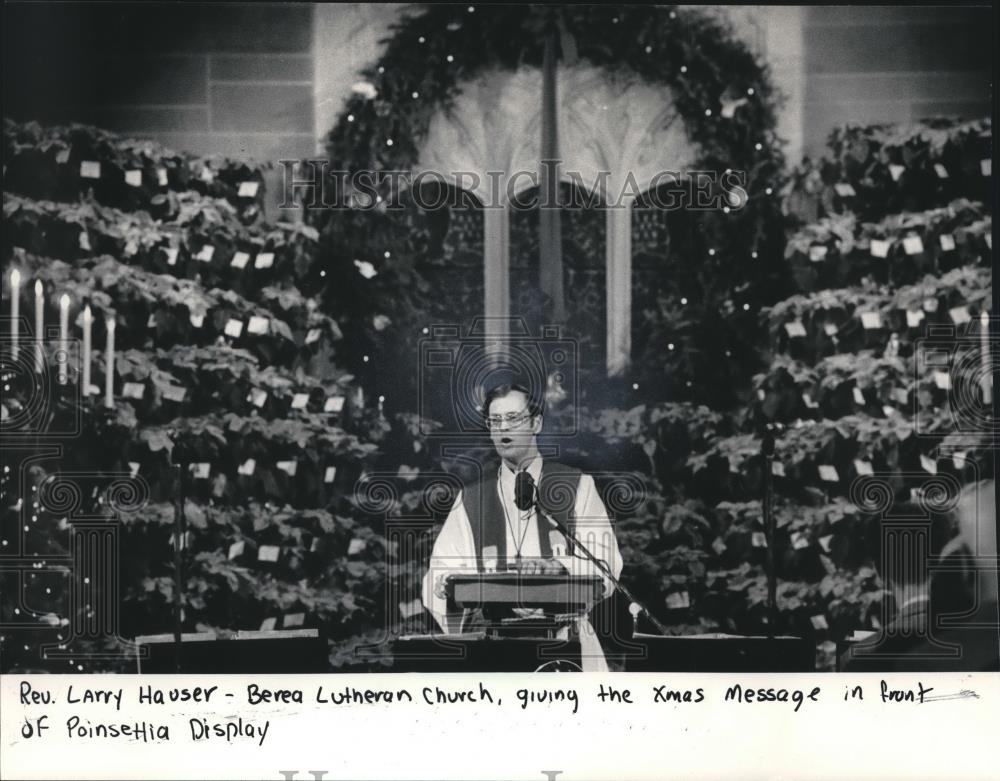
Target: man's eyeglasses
{"type": "Point", "coordinates": [511, 419]}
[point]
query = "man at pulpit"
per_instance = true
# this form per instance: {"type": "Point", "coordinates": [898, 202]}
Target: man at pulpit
{"type": "Point", "coordinates": [510, 520]}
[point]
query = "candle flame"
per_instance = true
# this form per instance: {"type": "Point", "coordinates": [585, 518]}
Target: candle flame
{"type": "Point", "coordinates": [64, 301]}
{"type": "Point", "coordinates": [86, 312]}
{"type": "Point", "coordinates": [15, 278]}
{"type": "Point", "coordinates": [38, 287]}
{"type": "Point", "coordinates": [984, 318]}
{"type": "Point", "coordinates": [111, 323]}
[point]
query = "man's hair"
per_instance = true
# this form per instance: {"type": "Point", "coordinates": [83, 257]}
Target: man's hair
{"type": "Point", "coordinates": [535, 404]}
{"type": "Point", "coordinates": [977, 536]}
{"type": "Point", "coordinates": [909, 562]}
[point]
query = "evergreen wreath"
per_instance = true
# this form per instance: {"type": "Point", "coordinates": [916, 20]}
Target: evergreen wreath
{"type": "Point", "coordinates": [722, 93]}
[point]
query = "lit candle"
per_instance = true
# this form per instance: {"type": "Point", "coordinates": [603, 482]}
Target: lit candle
{"type": "Point", "coordinates": [15, 309]}
{"type": "Point", "coordinates": [984, 356]}
{"type": "Point", "coordinates": [63, 338]}
{"type": "Point", "coordinates": [109, 365]}
{"type": "Point", "coordinates": [39, 324]}
{"type": "Point", "coordinates": [88, 322]}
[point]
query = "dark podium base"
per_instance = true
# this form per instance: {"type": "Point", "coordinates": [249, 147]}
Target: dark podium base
{"type": "Point", "coordinates": [476, 652]}
{"type": "Point", "coordinates": [276, 652]}
{"type": "Point", "coordinates": [717, 654]}
{"type": "Point", "coordinates": [643, 653]}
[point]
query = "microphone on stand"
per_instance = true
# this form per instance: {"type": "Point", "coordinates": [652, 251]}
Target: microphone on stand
{"type": "Point", "coordinates": [574, 542]}
{"type": "Point", "coordinates": [524, 490]}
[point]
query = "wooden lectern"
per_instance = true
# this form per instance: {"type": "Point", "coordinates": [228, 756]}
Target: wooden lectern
{"type": "Point", "coordinates": [503, 643]}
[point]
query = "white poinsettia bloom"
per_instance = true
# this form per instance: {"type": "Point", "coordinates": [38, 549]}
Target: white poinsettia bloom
{"type": "Point", "coordinates": [367, 269]}
{"type": "Point", "coordinates": [364, 88]}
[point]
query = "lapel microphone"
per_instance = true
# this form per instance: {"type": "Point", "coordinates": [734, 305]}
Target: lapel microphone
{"type": "Point", "coordinates": [524, 490]}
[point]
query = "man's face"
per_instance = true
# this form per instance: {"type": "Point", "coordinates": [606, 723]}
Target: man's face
{"type": "Point", "coordinates": [514, 440]}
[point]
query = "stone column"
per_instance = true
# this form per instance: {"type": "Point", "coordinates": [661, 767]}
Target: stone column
{"type": "Point", "coordinates": [496, 277]}
{"type": "Point", "coordinates": [618, 255]}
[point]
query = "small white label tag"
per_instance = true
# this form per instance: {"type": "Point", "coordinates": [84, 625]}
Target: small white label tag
{"type": "Point", "coordinates": [828, 473]}
{"type": "Point", "coordinates": [258, 325]}
{"type": "Point", "coordinates": [959, 315]}
{"type": "Point", "coordinates": [913, 245]}
{"type": "Point", "coordinates": [817, 252]}
{"type": "Point", "coordinates": [258, 397]}
{"type": "Point", "coordinates": [880, 248]}
{"type": "Point", "coordinates": [871, 320]}
{"type": "Point", "coordinates": [355, 546]}
{"type": "Point", "coordinates": [863, 467]}
{"type": "Point", "coordinates": [795, 328]}
{"type": "Point", "coordinates": [133, 390]}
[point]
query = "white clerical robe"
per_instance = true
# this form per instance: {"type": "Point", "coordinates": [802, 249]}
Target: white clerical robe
{"type": "Point", "coordinates": [454, 550]}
